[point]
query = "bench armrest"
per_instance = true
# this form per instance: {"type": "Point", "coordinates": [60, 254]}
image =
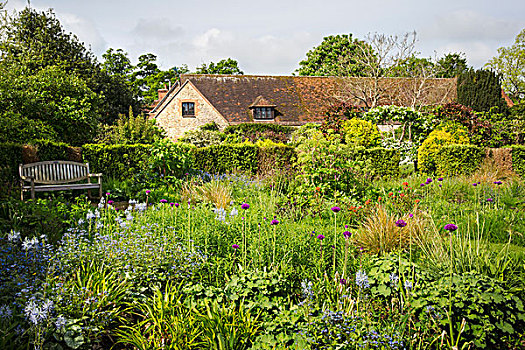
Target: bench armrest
{"type": "Point", "coordinates": [27, 178]}
{"type": "Point", "coordinates": [94, 175]}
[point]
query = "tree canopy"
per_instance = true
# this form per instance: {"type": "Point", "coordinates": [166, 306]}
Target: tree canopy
{"type": "Point", "coordinates": [335, 56]}
{"type": "Point", "coordinates": [510, 64]}
{"type": "Point", "coordinates": [224, 66]}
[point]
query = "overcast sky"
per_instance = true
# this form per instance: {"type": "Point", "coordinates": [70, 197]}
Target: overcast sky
{"type": "Point", "coordinates": [273, 36]}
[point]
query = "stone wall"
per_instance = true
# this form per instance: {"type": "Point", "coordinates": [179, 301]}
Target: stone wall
{"type": "Point", "coordinates": [171, 120]}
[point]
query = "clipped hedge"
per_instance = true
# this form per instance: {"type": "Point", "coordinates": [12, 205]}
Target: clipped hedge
{"type": "Point", "coordinates": [518, 159]}
{"type": "Point", "coordinates": [51, 150]}
{"type": "Point", "coordinates": [116, 161]}
{"type": "Point", "coordinates": [258, 127]}
{"type": "Point", "coordinates": [459, 159]}
{"type": "Point", "coordinates": [280, 157]}
{"type": "Point", "coordinates": [378, 161]}
{"type": "Point", "coordinates": [227, 158]}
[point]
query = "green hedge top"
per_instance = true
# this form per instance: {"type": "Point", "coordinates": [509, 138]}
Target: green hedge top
{"type": "Point", "coordinates": [117, 161]}
{"type": "Point", "coordinates": [459, 159]}
{"type": "Point", "coordinates": [254, 127]}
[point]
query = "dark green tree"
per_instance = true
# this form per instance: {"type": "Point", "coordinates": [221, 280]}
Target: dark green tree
{"type": "Point", "coordinates": [451, 65]}
{"type": "Point", "coordinates": [481, 90]}
{"type": "Point", "coordinates": [117, 62]}
{"type": "Point", "coordinates": [335, 56]}
{"type": "Point", "coordinates": [225, 66]}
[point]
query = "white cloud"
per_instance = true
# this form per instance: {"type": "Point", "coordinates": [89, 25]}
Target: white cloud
{"type": "Point", "coordinates": [478, 52]}
{"type": "Point", "coordinates": [469, 25]}
{"type": "Point", "coordinates": [157, 29]}
{"type": "Point", "coordinates": [85, 30]}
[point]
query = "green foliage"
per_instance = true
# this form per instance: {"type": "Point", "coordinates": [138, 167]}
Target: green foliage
{"type": "Point", "coordinates": [518, 159]}
{"type": "Point", "coordinates": [481, 90]}
{"type": "Point", "coordinates": [275, 157]}
{"type": "Point", "coordinates": [227, 158]}
{"type": "Point", "coordinates": [453, 160]}
{"type": "Point", "coordinates": [335, 56]}
{"type": "Point", "coordinates": [359, 132]}
{"type": "Point", "coordinates": [376, 161]}
{"type": "Point", "coordinates": [117, 161]}
{"type": "Point", "coordinates": [62, 103]}
{"type": "Point", "coordinates": [224, 66]}
{"type": "Point", "coordinates": [174, 159]}
{"type": "Point", "coordinates": [451, 65]}
{"type": "Point", "coordinates": [202, 138]}
{"type": "Point", "coordinates": [131, 130]}
{"type": "Point", "coordinates": [258, 127]}
{"type": "Point", "coordinates": [50, 150]}
{"type": "Point", "coordinates": [427, 153]}
{"type": "Point", "coordinates": [10, 158]}
{"type": "Point", "coordinates": [337, 114]}
{"type": "Point", "coordinates": [510, 64]}
{"type": "Point", "coordinates": [21, 129]}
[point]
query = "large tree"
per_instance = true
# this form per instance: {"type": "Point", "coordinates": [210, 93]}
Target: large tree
{"type": "Point", "coordinates": [510, 64]}
{"type": "Point", "coordinates": [335, 56]}
{"type": "Point", "coordinates": [224, 66]}
{"type": "Point", "coordinates": [36, 40]}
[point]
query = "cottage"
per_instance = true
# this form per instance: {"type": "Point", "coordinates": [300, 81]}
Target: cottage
{"type": "Point", "coordinates": [286, 100]}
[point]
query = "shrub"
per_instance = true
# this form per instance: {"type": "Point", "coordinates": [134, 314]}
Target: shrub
{"type": "Point", "coordinates": [253, 127]}
{"type": "Point", "coordinates": [272, 156]}
{"type": "Point", "coordinates": [10, 158]}
{"type": "Point", "coordinates": [429, 149]}
{"type": "Point", "coordinates": [227, 158]}
{"type": "Point", "coordinates": [377, 161]}
{"type": "Point", "coordinates": [172, 158]}
{"type": "Point", "coordinates": [359, 132]}
{"type": "Point", "coordinates": [117, 161]}
{"type": "Point", "coordinates": [459, 159]}
{"type": "Point", "coordinates": [51, 150]}
{"type": "Point", "coordinates": [480, 89]}
{"type": "Point", "coordinates": [518, 159]}
{"type": "Point", "coordinates": [202, 138]}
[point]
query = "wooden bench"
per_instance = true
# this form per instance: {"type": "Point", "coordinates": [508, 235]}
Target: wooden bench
{"type": "Point", "coordinates": [57, 175]}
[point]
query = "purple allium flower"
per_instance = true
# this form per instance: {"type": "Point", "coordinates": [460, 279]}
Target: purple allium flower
{"type": "Point", "coordinates": [342, 281]}
{"type": "Point", "coordinates": [410, 215]}
{"type": "Point", "coordinates": [235, 246]}
{"type": "Point", "coordinates": [320, 237]}
{"type": "Point", "coordinates": [245, 206]}
{"type": "Point", "coordinates": [264, 218]}
{"type": "Point", "coordinates": [450, 227]}
{"type": "Point", "coordinates": [429, 180]}
{"type": "Point", "coordinates": [107, 193]}
{"type": "Point", "coordinates": [274, 222]}
{"type": "Point", "coordinates": [172, 204]}
{"type": "Point", "coordinates": [440, 185]}
{"type": "Point", "coordinates": [401, 223]}
{"type": "Point", "coordinates": [440, 179]}
{"type": "Point", "coordinates": [148, 191]}
{"type": "Point", "coordinates": [346, 226]}
{"type": "Point", "coordinates": [110, 202]}
{"type": "Point", "coordinates": [490, 200]}
{"type": "Point", "coordinates": [422, 185]}
{"type": "Point", "coordinates": [497, 182]}
{"type": "Point", "coordinates": [347, 234]}
{"type": "Point", "coordinates": [164, 200]}
{"type": "Point", "coordinates": [176, 205]}
{"type": "Point", "coordinates": [475, 184]}
{"type": "Point", "coordinates": [336, 209]}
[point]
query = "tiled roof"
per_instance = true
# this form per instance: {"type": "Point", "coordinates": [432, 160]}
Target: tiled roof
{"type": "Point", "coordinates": [299, 100]}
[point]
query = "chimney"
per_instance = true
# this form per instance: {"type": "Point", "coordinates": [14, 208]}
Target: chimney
{"type": "Point", "coordinates": [162, 93]}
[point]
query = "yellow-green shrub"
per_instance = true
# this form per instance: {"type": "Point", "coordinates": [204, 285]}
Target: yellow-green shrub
{"type": "Point", "coordinates": [447, 134]}
{"type": "Point", "coordinates": [359, 132]}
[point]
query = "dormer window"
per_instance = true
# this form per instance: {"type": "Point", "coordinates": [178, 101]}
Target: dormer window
{"type": "Point", "coordinates": [263, 113]}
{"type": "Point", "coordinates": [262, 109]}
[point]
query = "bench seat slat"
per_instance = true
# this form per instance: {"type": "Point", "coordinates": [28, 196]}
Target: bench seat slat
{"type": "Point", "coordinates": [62, 187]}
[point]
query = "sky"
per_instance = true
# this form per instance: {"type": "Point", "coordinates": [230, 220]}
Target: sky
{"type": "Point", "coordinates": [271, 37]}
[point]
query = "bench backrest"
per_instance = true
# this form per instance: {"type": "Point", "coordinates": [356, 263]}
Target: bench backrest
{"type": "Point", "coordinates": [56, 171]}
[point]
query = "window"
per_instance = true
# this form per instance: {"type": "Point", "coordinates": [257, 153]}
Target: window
{"type": "Point", "coordinates": [188, 109]}
{"type": "Point", "coordinates": [263, 113]}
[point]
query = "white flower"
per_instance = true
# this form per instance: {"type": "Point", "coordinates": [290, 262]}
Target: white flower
{"type": "Point", "coordinates": [30, 243]}
{"type": "Point", "coordinates": [80, 221]}
{"type": "Point", "coordinates": [90, 215]}
{"type": "Point", "coordinates": [234, 212]}
{"type": "Point", "coordinates": [13, 236]}
{"type": "Point", "coordinates": [60, 322]}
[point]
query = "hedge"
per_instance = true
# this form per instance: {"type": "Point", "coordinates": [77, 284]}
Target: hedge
{"type": "Point", "coordinates": [260, 127]}
{"type": "Point", "coordinates": [518, 159]}
{"type": "Point", "coordinates": [226, 158]}
{"type": "Point", "coordinates": [116, 161]}
{"type": "Point", "coordinates": [459, 159]}
{"type": "Point", "coordinates": [280, 157]}
{"type": "Point", "coordinates": [378, 161]}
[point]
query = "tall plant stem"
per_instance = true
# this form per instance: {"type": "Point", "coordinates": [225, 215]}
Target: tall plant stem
{"type": "Point", "coordinates": [335, 240]}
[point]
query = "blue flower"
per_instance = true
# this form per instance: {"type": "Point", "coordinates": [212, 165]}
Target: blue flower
{"type": "Point", "coordinates": [361, 279]}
